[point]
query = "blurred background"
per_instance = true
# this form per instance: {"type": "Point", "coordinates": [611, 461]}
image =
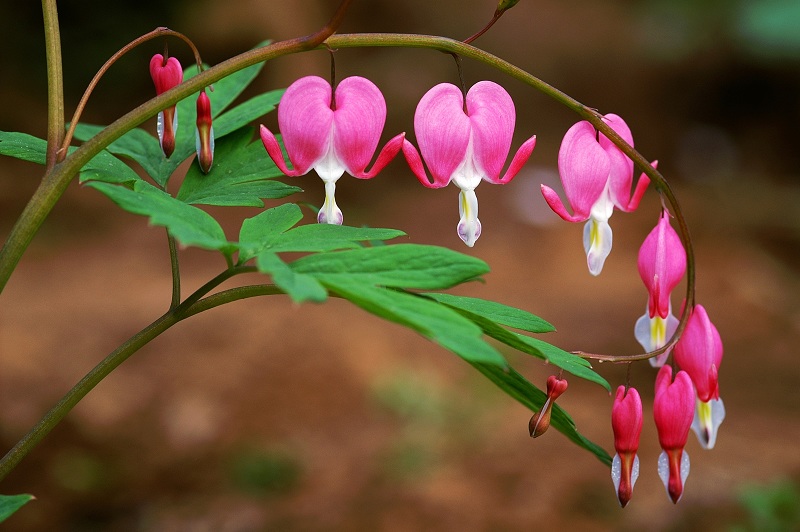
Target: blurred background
{"type": "Point", "coordinates": [264, 415]}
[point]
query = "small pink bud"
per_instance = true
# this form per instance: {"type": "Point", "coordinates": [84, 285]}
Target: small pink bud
{"type": "Point", "coordinates": [540, 421]}
{"type": "Point", "coordinates": [205, 133]}
{"type": "Point", "coordinates": [166, 73]}
{"type": "Point", "coordinates": [673, 410]}
{"type": "Point", "coordinates": [626, 421]}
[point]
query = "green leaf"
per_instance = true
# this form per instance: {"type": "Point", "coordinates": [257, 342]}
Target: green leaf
{"type": "Point", "coordinates": [401, 266]}
{"type": "Point", "coordinates": [259, 231]}
{"type": "Point", "coordinates": [567, 361]}
{"type": "Point", "coordinates": [109, 169]}
{"type": "Point", "coordinates": [23, 146]}
{"type": "Point", "coordinates": [299, 286]}
{"type": "Point", "coordinates": [246, 112]}
{"type": "Point", "coordinates": [329, 237]}
{"type": "Point", "coordinates": [432, 320]}
{"type": "Point", "coordinates": [271, 231]}
{"type": "Point", "coordinates": [190, 225]}
{"type": "Point", "coordinates": [9, 504]}
{"type": "Point", "coordinates": [574, 364]}
{"type": "Point", "coordinates": [242, 175]}
{"type": "Point", "coordinates": [102, 167]}
{"type": "Point", "coordinates": [137, 145]}
{"type": "Point", "coordinates": [516, 386]}
{"type": "Point", "coordinates": [497, 312]}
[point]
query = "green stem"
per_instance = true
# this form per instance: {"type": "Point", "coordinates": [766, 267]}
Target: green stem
{"type": "Point", "coordinates": [55, 82]}
{"type": "Point", "coordinates": [176, 272]}
{"type": "Point", "coordinates": [86, 384]}
{"type": "Point", "coordinates": [120, 355]}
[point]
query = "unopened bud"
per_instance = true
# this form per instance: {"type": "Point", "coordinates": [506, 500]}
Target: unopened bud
{"type": "Point", "coordinates": [503, 5]}
{"type": "Point", "coordinates": [540, 421]}
{"type": "Point", "coordinates": [205, 133]}
{"type": "Point", "coordinates": [166, 73]}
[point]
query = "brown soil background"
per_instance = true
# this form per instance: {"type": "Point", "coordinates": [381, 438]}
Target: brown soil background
{"type": "Point", "coordinates": [265, 415]}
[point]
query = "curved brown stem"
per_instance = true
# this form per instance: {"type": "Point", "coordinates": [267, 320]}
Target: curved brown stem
{"type": "Point", "coordinates": [158, 32]}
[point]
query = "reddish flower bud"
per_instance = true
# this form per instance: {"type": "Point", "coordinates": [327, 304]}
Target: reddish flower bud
{"type": "Point", "coordinates": [205, 133]}
{"type": "Point", "coordinates": [626, 421]}
{"type": "Point", "coordinates": [166, 73]}
{"type": "Point", "coordinates": [673, 410]}
{"type": "Point", "coordinates": [540, 421]}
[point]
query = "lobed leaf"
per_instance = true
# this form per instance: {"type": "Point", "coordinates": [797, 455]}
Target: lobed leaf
{"type": "Point", "coordinates": [399, 266]}
{"type": "Point", "coordinates": [102, 167]}
{"type": "Point", "coordinates": [241, 176]}
{"type": "Point", "coordinates": [497, 312]}
{"type": "Point", "coordinates": [271, 231]}
{"type": "Point", "coordinates": [532, 346]}
{"type": "Point", "coordinates": [299, 286]}
{"type": "Point", "coordinates": [190, 225]}
{"type": "Point", "coordinates": [432, 320]}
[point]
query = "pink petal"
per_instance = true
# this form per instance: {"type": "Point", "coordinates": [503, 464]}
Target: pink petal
{"type": "Point", "coordinates": [492, 116]}
{"type": "Point", "coordinates": [358, 122]}
{"type": "Point", "coordinates": [442, 130]}
{"type": "Point", "coordinates": [275, 153]}
{"type": "Point", "coordinates": [621, 170]}
{"type": "Point", "coordinates": [415, 163]}
{"type": "Point", "coordinates": [584, 168]}
{"type": "Point", "coordinates": [520, 158]}
{"type": "Point", "coordinates": [641, 187]}
{"type": "Point", "coordinates": [673, 408]}
{"type": "Point", "coordinates": [699, 353]}
{"type": "Point", "coordinates": [165, 74]}
{"type": "Point", "coordinates": [552, 199]}
{"type": "Point", "coordinates": [389, 151]}
{"type": "Point", "coordinates": [306, 120]}
{"type": "Point", "coordinates": [662, 264]}
{"type": "Point", "coordinates": [626, 419]}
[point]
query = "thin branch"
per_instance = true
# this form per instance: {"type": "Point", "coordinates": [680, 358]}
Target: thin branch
{"type": "Point", "coordinates": [176, 272]}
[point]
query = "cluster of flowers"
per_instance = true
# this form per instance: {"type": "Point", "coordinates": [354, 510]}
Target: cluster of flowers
{"type": "Point", "coordinates": [467, 140]}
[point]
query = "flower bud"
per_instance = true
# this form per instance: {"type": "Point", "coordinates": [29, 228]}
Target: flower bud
{"type": "Point", "coordinates": [205, 133]}
{"type": "Point", "coordinates": [626, 421]}
{"type": "Point", "coordinates": [540, 421]}
{"type": "Point", "coordinates": [166, 73]}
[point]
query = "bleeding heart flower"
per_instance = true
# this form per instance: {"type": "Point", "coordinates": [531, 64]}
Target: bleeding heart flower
{"type": "Point", "coordinates": [597, 177]}
{"type": "Point", "coordinates": [662, 264]}
{"type": "Point", "coordinates": [673, 410]}
{"type": "Point", "coordinates": [465, 144]}
{"type": "Point", "coordinates": [626, 421]}
{"type": "Point", "coordinates": [331, 133]}
{"type": "Point", "coordinates": [699, 353]}
{"type": "Point", "coordinates": [166, 73]}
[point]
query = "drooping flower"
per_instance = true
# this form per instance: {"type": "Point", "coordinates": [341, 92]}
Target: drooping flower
{"type": "Point", "coordinates": [166, 73]}
{"type": "Point", "coordinates": [699, 353]}
{"type": "Point", "coordinates": [540, 421]}
{"type": "Point", "coordinates": [673, 410]}
{"type": "Point", "coordinates": [626, 421]}
{"type": "Point", "coordinates": [597, 176]}
{"type": "Point", "coordinates": [465, 145]}
{"type": "Point", "coordinates": [662, 264]}
{"type": "Point", "coordinates": [331, 133]}
{"type": "Point", "coordinates": [205, 133]}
